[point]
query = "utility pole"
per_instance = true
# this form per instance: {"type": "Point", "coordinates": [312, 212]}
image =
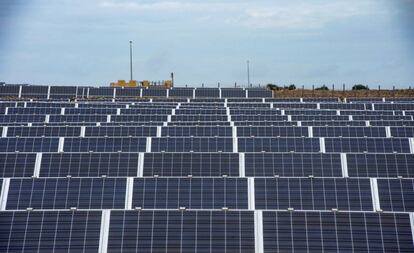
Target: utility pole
{"type": "Point", "coordinates": [130, 57]}
{"type": "Point", "coordinates": [248, 73]}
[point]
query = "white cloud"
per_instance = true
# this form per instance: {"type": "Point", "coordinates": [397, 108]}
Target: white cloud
{"type": "Point", "coordinates": [262, 14]}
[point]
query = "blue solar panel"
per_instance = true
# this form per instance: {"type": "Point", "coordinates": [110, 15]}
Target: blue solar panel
{"type": "Point", "coordinates": [17, 165]}
{"type": "Point", "coordinates": [57, 231]}
{"type": "Point", "coordinates": [89, 165]}
{"type": "Point", "coordinates": [196, 164]}
{"type": "Point", "coordinates": [272, 131]}
{"type": "Point", "coordinates": [313, 194]}
{"type": "Point", "coordinates": [188, 231]}
{"type": "Point", "coordinates": [349, 132]}
{"type": "Point", "coordinates": [278, 145]}
{"type": "Point", "coordinates": [205, 131]}
{"type": "Point", "coordinates": [29, 144]}
{"type": "Point", "coordinates": [336, 232]}
{"type": "Point", "coordinates": [38, 131]}
{"type": "Point", "coordinates": [371, 145]}
{"type": "Point", "coordinates": [380, 165]}
{"type": "Point", "coordinates": [121, 144]}
{"type": "Point", "coordinates": [292, 165]}
{"type": "Point", "coordinates": [124, 131]}
{"type": "Point", "coordinates": [65, 193]}
{"type": "Point", "coordinates": [193, 193]}
{"type": "Point", "coordinates": [196, 144]}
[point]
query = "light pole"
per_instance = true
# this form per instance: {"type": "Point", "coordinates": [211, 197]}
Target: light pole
{"type": "Point", "coordinates": [248, 73]}
{"type": "Point", "coordinates": [130, 57]}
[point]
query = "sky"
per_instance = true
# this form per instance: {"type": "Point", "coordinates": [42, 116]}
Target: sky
{"type": "Point", "coordinates": [304, 42]}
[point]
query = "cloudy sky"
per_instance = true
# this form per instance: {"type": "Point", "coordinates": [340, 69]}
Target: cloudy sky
{"type": "Point", "coordinates": [287, 41]}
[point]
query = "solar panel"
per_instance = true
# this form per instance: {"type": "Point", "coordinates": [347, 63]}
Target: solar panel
{"type": "Point", "coordinates": [195, 164]}
{"type": "Point", "coordinates": [202, 131]}
{"type": "Point", "coordinates": [78, 118]}
{"type": "Point", "coordinates": [371, 145]}
{"type": "Point", "coordinates": [333, 123]}
{"type": "Point", "coordinates": [199, 117]}
{"type": "Point", "coordinates": [336, 232]}
{"type": "Point", "coordinates": [192, 193]}
{"type": "Point", "coordinates": [380, 165]}
{"type": "Point", "coordinates": [265, 123]}
{"type": "Point", "coordinates": [34, 110]}
{"type": "Point", "coordinates": [57, 231]}
{"type": "Point", "coordinates": [207, 92]}
{"type": "Point", "coordinates": [259, 93]}
{"type": "Point", "coordinates": [392, 123]}
{"type": "Point", "coordinates": [154, 92]}
{"type": "Point", "coordinates": [63, 92]}
{"type": "Point", "coordinates": [396, 195]}
{"type": "Point", "coordinates": [196, 144]}
{"type": "Point", "coordinates": [157, 111]}
{"type": "Point", "coordinates": [124, 131]}
{"type": "Point", "coordinates": [127, 92]}
{"type": "Point", "coordinates": [101, 92]}
{"type": "Point", "coordinates": [138, 118]}
{"type": "Point", "coordinates": [9, 91]}
{"type": "Point", "coordinates": [65, 193]}
{"type": "Point", "coordinates": [313, 194]}
{"type": "Point", "coordinates": [188, 231]}
{"type": "Point", "coordinates": [233, 93]}
{"type": "Point", "coordinates": [292, 165]}
{"type": "Point", "coordinates": [199, 111]}
{"type": "Point", "coordinates": [278, 145]}
{"type": "Point", "coordinates": [402, 131]}
{"type": "Point", "coordinates": [32, 91]}
{"type": "Point", "coordinates": [17, 165]}
{"type": "Point", "coordinates": [21, 118]}
{"type": "Point", "coordinates": [89, 165]}
{"type": "Point", "coordinates": [105, 111]}
{"type": "Point", "coordinates": [272, 131]}
{"type": "Point", "coordinates": [29, 144]}
{"type": "Point", "coordinates": [349, 132]}
{"type": "Point", "coordinates": [115, 144]}
{"type": "Point", "coordinates": [254, 112]}
{"type": "Point", "coordinates": [181, 92]}
{"type": "Point", "coordinates": [38, 131]}
{"type": "Point", "coordinates": [258, 118]}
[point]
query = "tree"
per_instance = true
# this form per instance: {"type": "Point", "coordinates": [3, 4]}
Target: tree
{"type": "Point", "coordinates": [360, 87]}
{"type": "Point", "coordinates": [271, 86]}
{"type": "Point", "coordinates": [323, 87]}
{"type": "Point", "coordinates": [292, 87]}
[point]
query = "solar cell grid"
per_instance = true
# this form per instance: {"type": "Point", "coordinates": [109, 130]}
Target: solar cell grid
{"type": "Point", "coordinates": [313, 194]}
{"type": "Point", "coordinates": [189, 231]}
{"type": "Point", "coordinates": [349, 132]}
{"type": "Point", "coordinates": [196, 144]}
{"type": "Point", "coordinates": [65, 193]}
{"type": "Point", "coordinates": [17, 165]}
{"type": "Point", "coordinates": [396, 195]}
{"type": "Point", "coordinates": [278, 145]}
{"type": "Point", "coordinates": [196, 164]}
{"type": "Point", "coordinates": [89, 165]}
{"type": "Point", "coordinates": [29, 144]}
{"type": "Point", "coordinates": [202, 131]}
{"type": "Point", "coordinates": [380, 165]}
{"type": "Point", "coordinates": [124, 131]}
{"type": "Point", "coordinates": [272, 131]}
{"type": "Point", "coordinates": [370, 145]}
{"type": "Point", "coordinates": [33, 131]}
{"type": "Point", "coordinates": [114, 144]}
{"type": "Point", "coordinates": [336, 232]}
{"type": "Point", "coordinates": [193, 193]}
{"type": "Point", "coordinates": [57, 231]}
{"type": "Point", "coordinates": [292, 165]}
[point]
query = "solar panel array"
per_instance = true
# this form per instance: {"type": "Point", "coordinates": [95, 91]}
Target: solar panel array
{"type": "Point", "coordinates": [203, 170]}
